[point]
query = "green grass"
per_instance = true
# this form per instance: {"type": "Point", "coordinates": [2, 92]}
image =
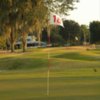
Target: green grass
{"type": "Point", "coordinates": [71, 84]}
{"type": "Point", "coordinates": [74, 75]}
{"type": "Point", "coordinates": [21, 63]}
{"type": "Point", "coordinates": [78, 56]}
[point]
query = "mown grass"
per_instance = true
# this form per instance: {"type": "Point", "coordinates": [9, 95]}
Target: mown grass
{"type": "Point", "coordinates": [74, 75]}
{"type": "Point", "coordinates": [21, 63]}
{"type": "Point", "coordinates": [38, 58]}
{"type": "Point", "coordinates": [78, 56]}
{"type": "Point", "coordinates": [72, 85]}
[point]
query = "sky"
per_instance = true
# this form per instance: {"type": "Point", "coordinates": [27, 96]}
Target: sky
{"type": "Point", "coordinates": [86, 12]}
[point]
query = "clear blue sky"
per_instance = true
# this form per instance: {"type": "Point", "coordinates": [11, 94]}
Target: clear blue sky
{"type": "Point", "coordinates": [87, 11]}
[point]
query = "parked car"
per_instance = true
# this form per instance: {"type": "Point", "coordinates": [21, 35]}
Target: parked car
{"type": "Point", "coordinates": [30, 43]}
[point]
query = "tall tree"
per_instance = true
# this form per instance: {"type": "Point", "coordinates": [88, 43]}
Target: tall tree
{"type": "Point", "coordinates": [4, 19]}
{"type": "Point", "coordinates": [40, 18]}
{"type": "Point", "coordinates": [95, 31]}
{"type": "Point", "coordinates": [18, 15]}
{"type": "Point", "coordinates": [85, 34]}
{"type": "Point", "coordinates": [70, 32]}
{"type": "Point", "coordinates": [32, 18]}
{"type": "Point", "coordinates": [60, 6]}
{"type": "Point", "coordinates": [9, 15]}
{"type": "Point", "coordinates": [21, 15]}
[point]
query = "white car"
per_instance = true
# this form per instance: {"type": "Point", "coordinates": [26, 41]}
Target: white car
{"type": "Point", "coordinates": [30, 43]}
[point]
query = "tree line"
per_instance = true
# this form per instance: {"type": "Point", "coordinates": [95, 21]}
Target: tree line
{"type": "Point", "coordinates": [19, 17]}
{"type": "Point", "coordinates": [74, 34]}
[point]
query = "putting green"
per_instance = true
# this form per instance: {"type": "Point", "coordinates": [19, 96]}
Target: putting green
{"type": "Point", "coordinates": [74, 75]}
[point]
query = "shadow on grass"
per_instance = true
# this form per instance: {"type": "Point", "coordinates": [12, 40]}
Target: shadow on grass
{"type": "Point", "coordinates": [78, 56]}
{"type": "Point", "coordinates": [21, 63]}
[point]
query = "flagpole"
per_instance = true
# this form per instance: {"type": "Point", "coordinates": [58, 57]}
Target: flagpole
{"type": "Point", "coordinates": [48, 72]}
{"type": "Point", "coordinates": [48, 75]}
{"type": "Point", "coordinates": [54, 20]}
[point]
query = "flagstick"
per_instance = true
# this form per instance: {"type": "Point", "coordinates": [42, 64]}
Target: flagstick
{"type": "Point", "coordinates": [48, 81]}
{"type": "Point", "coordinates": [56, 20]}
{"type": "Point", "coordinates": [48, 73]}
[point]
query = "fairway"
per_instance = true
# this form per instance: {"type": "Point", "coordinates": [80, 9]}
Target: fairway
{"type": "Point", "coordinates": [74, 74]}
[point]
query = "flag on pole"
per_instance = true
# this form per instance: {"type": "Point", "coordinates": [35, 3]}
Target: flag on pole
{"type": "Point", "coordinates": [55, 20]}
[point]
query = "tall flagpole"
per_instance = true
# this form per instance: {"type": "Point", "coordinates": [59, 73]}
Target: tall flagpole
{"type": "Point", "coordinates": [55, 20]}
{"type": "Point", "coordinates": [48, 72]}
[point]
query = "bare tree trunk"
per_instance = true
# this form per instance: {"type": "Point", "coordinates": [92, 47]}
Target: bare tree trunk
{"type": "Point", "coordinates": [39, 38]}
{"type": "Point", "coordinates": [24, 44]}
{"type": "Point", "coordinates": [84, 39]}
{"type": "Point", "coordinates": [12, 38]}
{"type": "Point", "coordinates": [48, 30]}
